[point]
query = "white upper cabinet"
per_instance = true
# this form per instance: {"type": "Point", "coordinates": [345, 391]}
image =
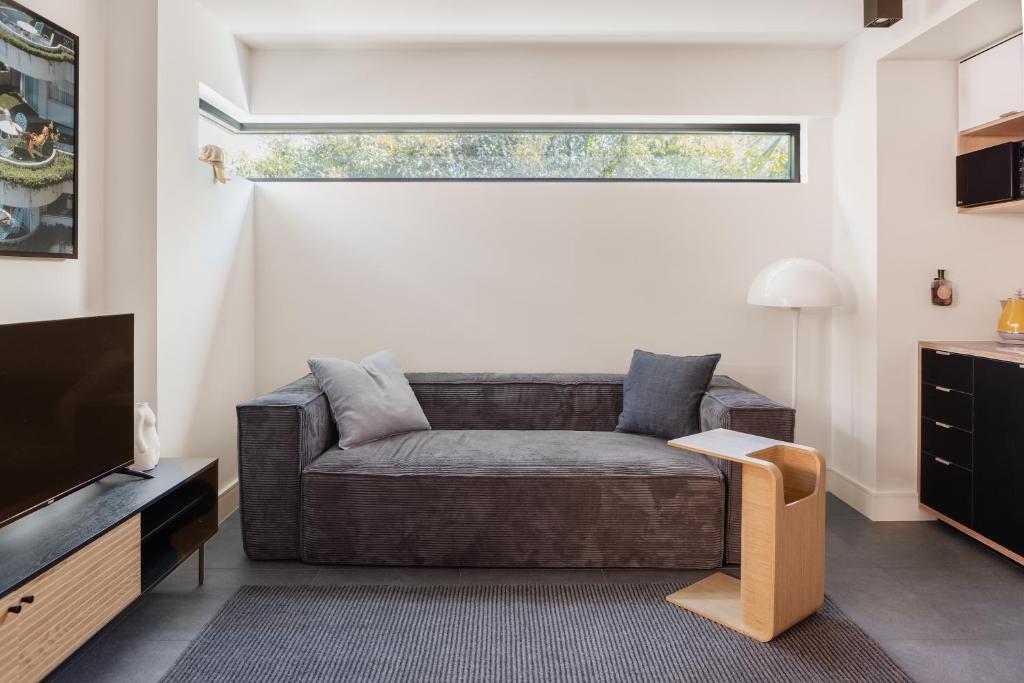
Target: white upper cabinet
{"type": "Point", "coordinates": [992, 84]}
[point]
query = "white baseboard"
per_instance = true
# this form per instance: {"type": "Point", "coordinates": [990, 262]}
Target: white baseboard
{"type": "Point", "coordinates": [878, 506]}
{"type": "Point", "coordinates": [227, 501]}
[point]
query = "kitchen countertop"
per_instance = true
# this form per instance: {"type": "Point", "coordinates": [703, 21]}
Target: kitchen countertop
{"type": "Point", "coordinates": [983, 349]}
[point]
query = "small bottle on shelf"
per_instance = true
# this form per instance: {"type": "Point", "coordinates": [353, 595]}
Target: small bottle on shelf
{"type": "Point", "coordinates": [942, 290]}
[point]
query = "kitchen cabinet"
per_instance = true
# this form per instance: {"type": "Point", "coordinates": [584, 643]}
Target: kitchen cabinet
{"type": "Point", "coordinates": [972, 440]}
{"type": "Point", "coordinates": [991, 84]}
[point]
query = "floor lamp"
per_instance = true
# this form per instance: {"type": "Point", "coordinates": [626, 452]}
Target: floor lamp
{"type": "Point", "coordinates": [795, 283]}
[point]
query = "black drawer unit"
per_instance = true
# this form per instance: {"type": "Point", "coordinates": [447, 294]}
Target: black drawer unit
{"type": "Point", "coordinates": [947, 442]}
{"type": "Point", "coordinates": [946, 488]}
{"type": "Point", "coordinates": [972, 441]}
{"type": "Point", "coordinates": [948, 406]}
{"type": "Point", "coordinates": [949, 370]}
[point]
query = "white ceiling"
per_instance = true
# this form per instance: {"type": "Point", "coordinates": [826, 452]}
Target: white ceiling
{"type": "Point", "coordinates": [340, 23]}
{"type": "Point", "coordinates": [972, 29]}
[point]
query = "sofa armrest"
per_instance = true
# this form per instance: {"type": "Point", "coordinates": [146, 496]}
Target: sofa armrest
{"type": "Point", "coordinates": [279, 434]}
{"type": "Point", "coordinates": [730, 405]}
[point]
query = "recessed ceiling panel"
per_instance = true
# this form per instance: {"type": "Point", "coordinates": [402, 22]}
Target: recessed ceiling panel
{"type": "Point", "coordinates": [357, 23]}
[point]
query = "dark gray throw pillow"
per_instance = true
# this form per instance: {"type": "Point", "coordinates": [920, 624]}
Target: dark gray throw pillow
{"type": "Point", "coordinates": [370, 399]}
{"type": "Point", "coordinates": [661, 394]}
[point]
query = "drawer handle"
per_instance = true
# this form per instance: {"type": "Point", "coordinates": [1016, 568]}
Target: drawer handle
{"type": "Point", "coordinates": [14, 609]}
{"type": "Point", "coordinates": [943, 462]}
{"type": "Point", "coordinates": [943, 425]}
{"type": "Point", "coordinates": [943, 390]}
{"type": "Point", "coordinates": [943, 353]}
{"type": "Point", "coordinates": [28, 599]}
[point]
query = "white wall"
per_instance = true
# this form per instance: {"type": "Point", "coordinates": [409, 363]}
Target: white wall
{"type": "Point", "coordinates": [546, 79]}
{"type": "Point", "coordinates": [894, 149]}
{"type": "Point", "coordinates": [346, 269]}
{"type": "Point", "coordinates": [41, 289]}
{"type": "Point", "coordinates": [919, 230]}
{"type": "Point", "coordinates": [193, 305]}
{"type": "Point", "coordinates": [851, 455]}
{"type": "Point", "coordinates": [544, 277]}
{"type": "Point", "coordinates": [541, 277]}
{"type": "Point", "coordinates": [130, 181]}
{"type": "Point", "coordinates": [204, 251]}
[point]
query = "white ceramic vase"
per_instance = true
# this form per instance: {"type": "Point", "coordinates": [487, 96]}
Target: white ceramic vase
{"type": "Point", "coordinates": [147, 442]}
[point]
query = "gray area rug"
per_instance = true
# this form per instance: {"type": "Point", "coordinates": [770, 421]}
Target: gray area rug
{"type": "Point", "coordinates": [509, 633]}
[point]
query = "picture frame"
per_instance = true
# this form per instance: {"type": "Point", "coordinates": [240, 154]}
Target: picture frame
{"type": "Point", "coordinates": [39, 86]}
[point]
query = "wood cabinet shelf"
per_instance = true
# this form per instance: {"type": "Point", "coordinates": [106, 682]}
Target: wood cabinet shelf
{"type": "Point", "coordinates": [1015, 206]}
{"type": "Point", "coordinates": [1009, 126]}
{"type": "Point", "coordinates": [1007, 129]}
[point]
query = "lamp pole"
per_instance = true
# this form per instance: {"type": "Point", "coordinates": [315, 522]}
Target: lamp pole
{"type": "Point", "coordinates": [795, 283]}
{"type": "Point", "coordinates": [796, 355]}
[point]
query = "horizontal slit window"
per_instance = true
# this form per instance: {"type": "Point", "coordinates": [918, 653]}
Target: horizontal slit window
{"type": "Point", "coordinates": [723, 153]}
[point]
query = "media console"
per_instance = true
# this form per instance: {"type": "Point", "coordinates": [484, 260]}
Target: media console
{"type": "Point", "coordinates": [69, 568]}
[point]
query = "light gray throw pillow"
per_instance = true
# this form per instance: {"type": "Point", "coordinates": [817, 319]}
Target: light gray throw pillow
{"type": "Point", "coordinates": [661, 394]}
{"type": "Point", "coordinates": [370, 399]}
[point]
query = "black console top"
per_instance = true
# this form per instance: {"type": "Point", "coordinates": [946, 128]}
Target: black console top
{"type": "Point", "coordinates": [38, 541]}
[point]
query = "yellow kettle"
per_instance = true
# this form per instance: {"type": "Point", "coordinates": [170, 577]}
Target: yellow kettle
{"type": "Point", "coordinates": [1011, 322]}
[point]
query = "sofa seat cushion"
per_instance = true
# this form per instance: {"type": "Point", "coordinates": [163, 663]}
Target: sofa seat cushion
{"type": "Point", "coordinates": [514, 498]}
{"type": "Point", "coordinates": [516, 453]}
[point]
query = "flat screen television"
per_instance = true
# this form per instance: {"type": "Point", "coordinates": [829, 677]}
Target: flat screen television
{"type": "Point", "coordinates": [66, 407]}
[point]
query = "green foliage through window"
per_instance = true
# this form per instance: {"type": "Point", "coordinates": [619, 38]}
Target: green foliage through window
{"type": "Point", "coordinates": [767, 154]}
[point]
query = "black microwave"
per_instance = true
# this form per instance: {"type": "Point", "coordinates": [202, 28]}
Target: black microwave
{"type": "Point", "coordinates": [989, 175]}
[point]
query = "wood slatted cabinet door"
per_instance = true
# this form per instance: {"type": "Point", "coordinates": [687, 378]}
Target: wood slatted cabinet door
{"type": "Point", "coordinates": [8, 630]}
{"type": "Point", "coordinates": [69, 603]}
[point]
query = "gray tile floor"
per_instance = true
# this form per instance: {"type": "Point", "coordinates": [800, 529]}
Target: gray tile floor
{"type": "Point", "coordinates": [945, 607]}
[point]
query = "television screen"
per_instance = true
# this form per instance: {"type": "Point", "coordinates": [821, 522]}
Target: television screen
{"type": "Point", "coordinates": [66, 407]}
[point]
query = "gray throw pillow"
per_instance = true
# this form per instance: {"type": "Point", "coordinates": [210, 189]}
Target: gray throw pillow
{"type": "Point", "coordinates": [661, 394]}
{"type": "Point", "coordinates": [370, 399]}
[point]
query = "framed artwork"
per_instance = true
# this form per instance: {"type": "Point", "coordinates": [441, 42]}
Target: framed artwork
{"type": "Point", "coordinates": [38, 129]}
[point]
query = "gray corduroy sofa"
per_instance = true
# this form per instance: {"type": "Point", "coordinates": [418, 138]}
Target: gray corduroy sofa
{"type": "Point", "coordinates": [518, 470]}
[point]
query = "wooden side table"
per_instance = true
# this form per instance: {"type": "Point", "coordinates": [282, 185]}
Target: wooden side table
{"type": "Point", "coordinates": [782, 559]}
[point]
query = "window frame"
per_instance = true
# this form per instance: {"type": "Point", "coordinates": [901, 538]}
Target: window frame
{"type": "Point", "coordinates": [794, 130]}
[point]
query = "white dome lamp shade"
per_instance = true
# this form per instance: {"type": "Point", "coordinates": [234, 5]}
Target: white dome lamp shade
{"type": "Point", "coordinates": [795, 283]}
